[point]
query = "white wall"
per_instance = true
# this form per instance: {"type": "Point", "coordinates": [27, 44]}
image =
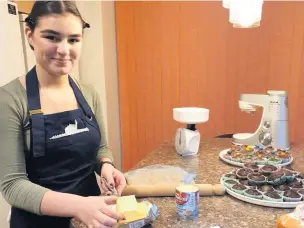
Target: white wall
{"type": "Point", "coordinates": [4, 211]}
{"type": "Point", "coordinates": [11, 49]}
{"type": "Point", "coordinates": [98, 65]}
{"type": "Point", "coordinates": [111, 79]}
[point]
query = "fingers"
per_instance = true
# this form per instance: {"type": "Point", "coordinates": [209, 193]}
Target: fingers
{"type": "Point", "coordinates": [103, 226]}
{"type": "Point", "coordinates": [111, 213]}
{"type": "Point", "coordinates": [105, 187]}
{"type": "Point", "coordinates": [103, 184]}
{"type": "Point", "coordinates": [120, 189]}
{"type": "Point", "coordinates": [108, 193]}
{"type": "Point", "coordinates": [96, 224]}
{"type": "Point", "coordinates": [105, 220]}
{"type": "Point", "coordinates": [107, 182]}
{"type": "Point", "coordinates": [109, 178]}
{"type": "Point", "coordinates": [110, 199]}
{"type": "Point", "coordinates": [114, 179]}
{"type": "Point", "coordinates": [107, 173]}
{"type": "Point", "coordinates": [121, 182]}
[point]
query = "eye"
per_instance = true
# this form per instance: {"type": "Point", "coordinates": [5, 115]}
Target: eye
{"type": "Point", "coordinates": [74, 40]}
{"type": "Point", "coordinates": [52, 38]}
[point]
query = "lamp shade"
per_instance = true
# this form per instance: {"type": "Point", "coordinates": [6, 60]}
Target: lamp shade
{"type": "Point", "coordinates": [245, 13]}
{"type": "Point", "coordinates": [226, 4]}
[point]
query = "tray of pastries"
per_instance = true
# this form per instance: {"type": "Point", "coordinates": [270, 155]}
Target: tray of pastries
{"type": "Point", "coordinates": [238, 155]}
{"type": "Point", "coordinates": [266, 185]}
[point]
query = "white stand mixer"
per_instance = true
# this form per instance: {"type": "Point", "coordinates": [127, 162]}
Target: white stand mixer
{"type": "Point", "coordinates": [273, 128]}
{"type": "Point", "coordinates": [187, 140]}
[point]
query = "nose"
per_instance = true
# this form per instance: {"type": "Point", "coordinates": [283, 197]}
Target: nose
{"type": "Point", "coordinates": [63, 48]}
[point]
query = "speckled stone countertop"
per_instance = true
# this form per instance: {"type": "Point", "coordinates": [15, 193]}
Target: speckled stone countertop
{"type": "Point", "coordinates": [226, 211]}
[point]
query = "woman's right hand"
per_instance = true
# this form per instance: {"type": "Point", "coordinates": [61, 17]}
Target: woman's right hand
{"type": "Point", "coordinates": [96, 212]}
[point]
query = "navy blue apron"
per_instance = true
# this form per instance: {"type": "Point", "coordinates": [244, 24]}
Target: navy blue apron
{"type": "Point", "coordinates": [63, 154]}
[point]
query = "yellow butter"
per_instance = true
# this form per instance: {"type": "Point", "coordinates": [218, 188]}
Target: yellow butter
{"type": "Point", "coordinates": [131, 209]}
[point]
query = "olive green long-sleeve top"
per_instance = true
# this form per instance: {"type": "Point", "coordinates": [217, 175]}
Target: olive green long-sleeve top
{"type": "Point", "coordinates": [16, 188]}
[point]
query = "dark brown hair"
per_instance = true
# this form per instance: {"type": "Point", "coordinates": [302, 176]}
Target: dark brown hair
{"type": "Point", "coordinates": [44, 8]}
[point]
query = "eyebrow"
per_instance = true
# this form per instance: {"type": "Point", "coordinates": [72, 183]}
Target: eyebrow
{"type": "Point", "coordinates": [49, 31]}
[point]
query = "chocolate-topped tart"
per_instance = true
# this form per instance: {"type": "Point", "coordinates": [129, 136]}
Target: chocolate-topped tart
{"type": "Point", "coordinates": [273, 194]}
{"type": "Point", "coordinates": [268, 169]}
{"type": "Point", "coordinates": [247, 184]}
{"type": "Point", "coordinates": [243, 172]}
{"type": "Point", "coordinates": [244, 182]}
{"type": "Point", "coordinates": [276, 175]}
{"type": "Point", "coordinates": [239, 187]}
{"type": "Point", "coordinates": [253, 193]}
{"type": "Point", "coordinates": [252, 165]}
{"type": "Point", "coordinates": [230, 176]}
{"type": "Point", "coordinates": [296, 184]}
{"type": "Point", "coordinates": [282, 187]}
{"type": "Point", "coordinates": [231, 182]}
{"type": "Point", "coordinates": [292, 196]}
{"type": "Point", "coordinates": [289, 173]}
{"type": "Point", "coordinates": [277, 178]}
{"type": "Point", "coordinates": [256, 178]}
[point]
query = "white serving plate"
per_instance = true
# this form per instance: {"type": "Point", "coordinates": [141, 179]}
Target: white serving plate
{"type": "Point", "coordinates": [261, 202]}
{"type": "Point", "coordinates": [223, 152]}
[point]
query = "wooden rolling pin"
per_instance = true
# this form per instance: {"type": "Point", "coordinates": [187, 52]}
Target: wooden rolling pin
{"type": "Point", "coordinates": [170, 189]}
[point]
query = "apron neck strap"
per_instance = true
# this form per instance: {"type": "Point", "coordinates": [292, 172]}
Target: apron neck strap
{"type": "Point", "coordinates": [36, 115]}
{"type": "Point", "coordinates": [80, 98]}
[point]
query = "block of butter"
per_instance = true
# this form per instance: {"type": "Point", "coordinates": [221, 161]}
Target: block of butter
{"type": "Point", "coordinates": [131, 209]}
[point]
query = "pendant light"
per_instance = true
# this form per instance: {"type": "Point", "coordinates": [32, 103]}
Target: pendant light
{"type": "Point", "coordinates": [226, 4]}
{"type": "Point", "coordinates": [244, 13]}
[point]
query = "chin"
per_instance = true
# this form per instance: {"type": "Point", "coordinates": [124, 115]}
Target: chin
{"type": "Point", "coordinates": [60, 71]}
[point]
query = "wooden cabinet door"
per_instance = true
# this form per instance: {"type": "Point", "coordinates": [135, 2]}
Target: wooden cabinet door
{"type": "Point", "coordinates": [25, 6]}
{"type": "Point", "coordinates": [186, 53]}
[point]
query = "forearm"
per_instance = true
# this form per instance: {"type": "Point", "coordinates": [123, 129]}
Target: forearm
{"type": "Point", "coordinates": [61, 204]}
{"type": "Point", "coordinates": [104, 154]}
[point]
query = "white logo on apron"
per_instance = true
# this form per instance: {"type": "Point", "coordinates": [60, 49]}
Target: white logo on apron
{"type": "Point", "coordinates": [71, 129]}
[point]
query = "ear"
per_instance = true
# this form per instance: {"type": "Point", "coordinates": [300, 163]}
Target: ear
{"type": "Point", "coordinates": [29, 35]}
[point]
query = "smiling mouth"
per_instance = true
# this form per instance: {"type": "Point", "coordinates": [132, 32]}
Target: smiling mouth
{"type": "Point", "coordinates": [62, 61]}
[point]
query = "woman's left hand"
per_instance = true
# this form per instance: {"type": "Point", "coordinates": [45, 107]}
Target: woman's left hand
{"type": "Point", "coordinates": [114, 177]}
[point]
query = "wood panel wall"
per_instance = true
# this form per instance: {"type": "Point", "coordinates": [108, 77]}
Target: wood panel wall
{"type": "Point", "coordinates": [173, 54]}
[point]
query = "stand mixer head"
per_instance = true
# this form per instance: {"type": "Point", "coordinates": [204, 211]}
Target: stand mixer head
{"type": "Point", "coordinates": [187, 140]}
{"type": "Point", "coordinates": [273, 128]}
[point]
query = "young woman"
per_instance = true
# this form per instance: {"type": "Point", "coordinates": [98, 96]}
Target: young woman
{"type": "Point", "coordinates": [51, 131]}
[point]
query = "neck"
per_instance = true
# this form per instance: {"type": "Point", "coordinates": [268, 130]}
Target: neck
{"type": "Point", "coordinates": [47, 80]}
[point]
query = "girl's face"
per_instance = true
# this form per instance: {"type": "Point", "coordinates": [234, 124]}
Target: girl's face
{"type": "Point", "coordinates": [57, 42]}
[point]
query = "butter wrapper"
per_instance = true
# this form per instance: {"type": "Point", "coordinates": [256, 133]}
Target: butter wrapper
{"type": "Point", "coordinates": [153, 213]}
